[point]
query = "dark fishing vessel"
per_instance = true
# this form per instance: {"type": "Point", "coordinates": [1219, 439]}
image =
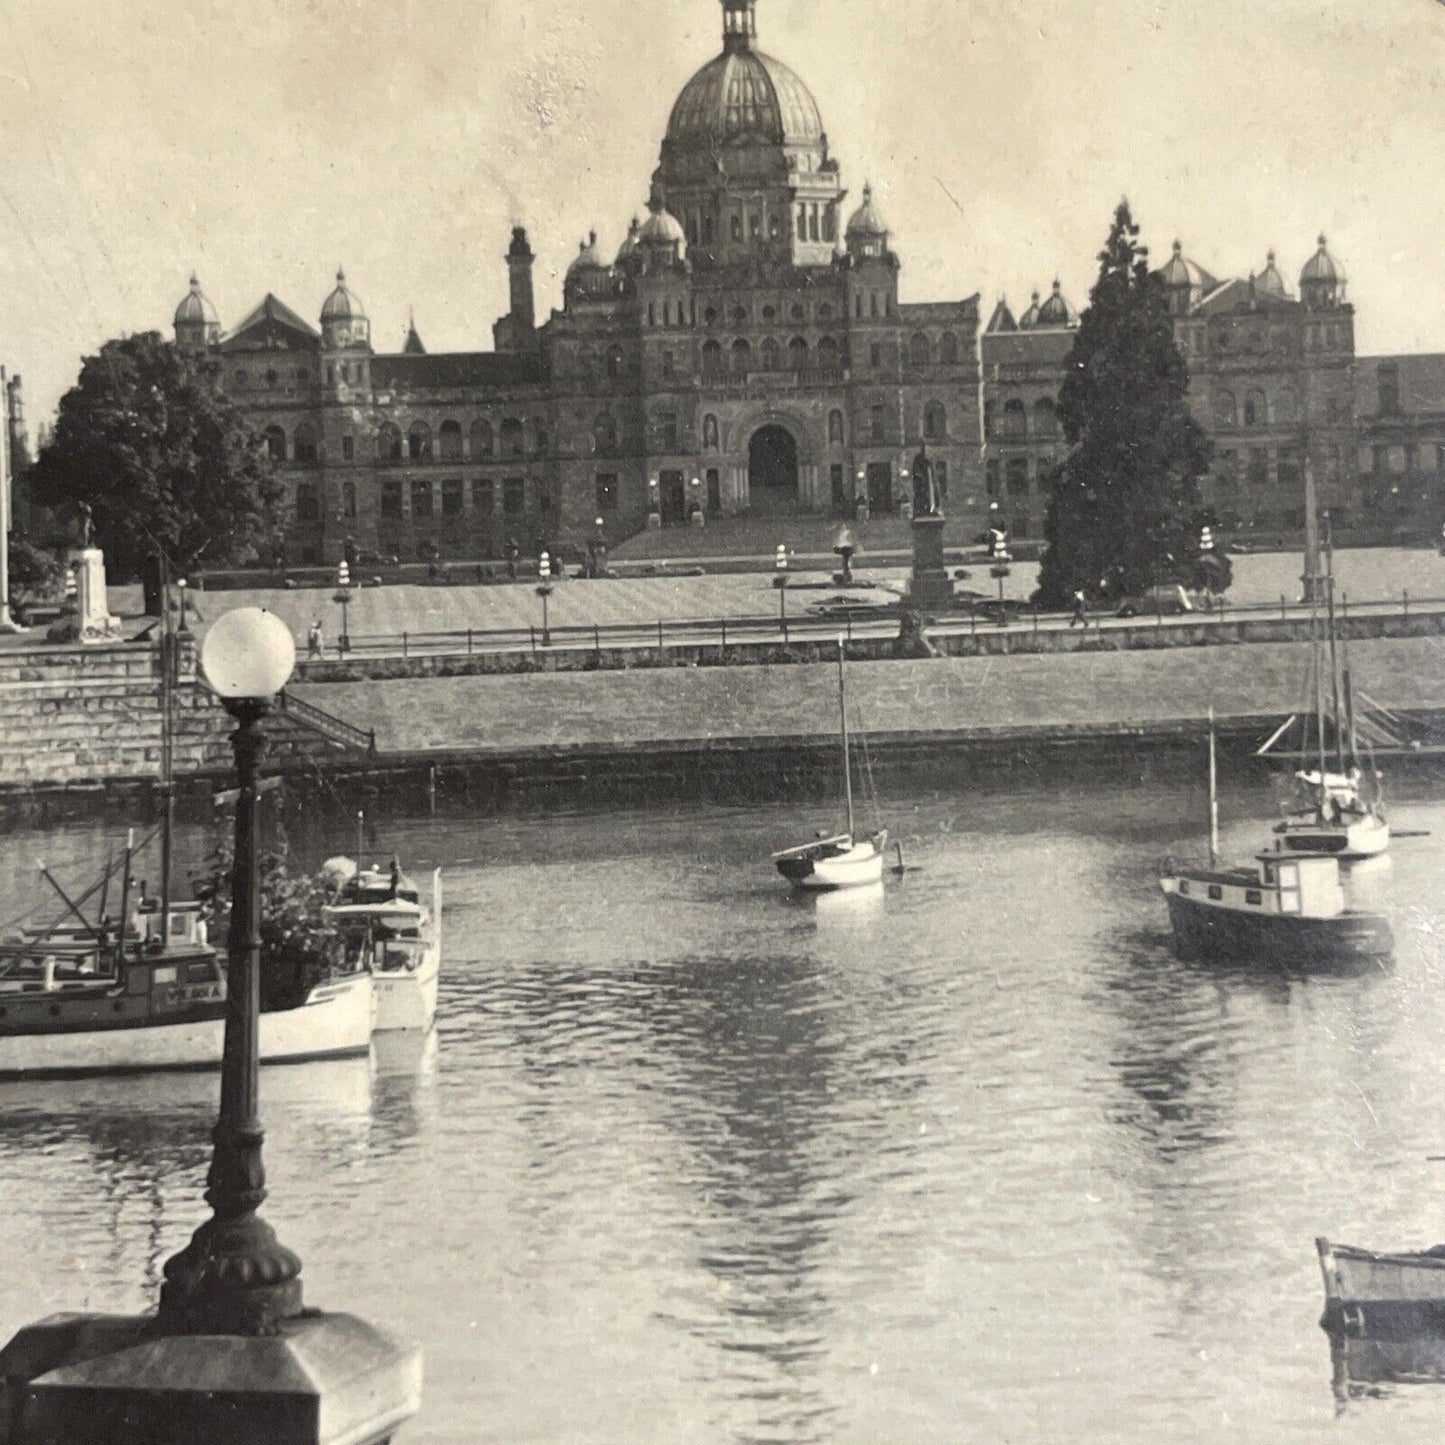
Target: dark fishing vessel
{"type": "Point", "coordinates": [1287, 913]}
{"type": "Point", "coordinates": [1390, 1294]}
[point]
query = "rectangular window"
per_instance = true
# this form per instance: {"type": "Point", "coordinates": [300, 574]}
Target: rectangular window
{"type": "Point", "coordinates": [421, 502]}
{"type": "Point", "coordinates": [1216, 892]}
{"type": "Point", "coordinates": [1389, 377]}
{"type": "Point", "coordinates": [667, 431]}
{"type": "Point", "coordinates": [1258, 465]}
{"type": "Point", "coordinates": [348, 449]}
{"type": "Point", "coordinates": [514, 496]}
{"type": "Point", "coordinates": [835, 478]}
{"type": "Point", "coordinates": [606, 494]}
{"type": "Point", "coordinates": [1016, 473]}
{"type": "Point", "coordinates": [875, 356]}
{"type": "Point", "coordinates": [391, 501]}
{"type": "Point", "coordinates": [1289, 467]}
{"type": "Point", "coordinates": [990, 483]}
{"type": "Point", "coordinates": [452, 497]}
{"type": "Point", "coordinates": [1253, 895]}
{"type": "Point", "coordinates": [482, 501]}
{"type": "Point", "coordinates": [308, 504]}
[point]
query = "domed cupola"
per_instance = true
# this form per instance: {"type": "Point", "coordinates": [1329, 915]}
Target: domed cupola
{"type": "Point", "coordinates": [1030, 318]}
{"type": "Point", "coordinates": [588, 275]}
{"type": "Point", "coordinates": [1185, 282]}
{"type": "Point", "coordinates": [1002, 318]}
{"type": "Point", "coordinates": [343, 317]}
{"type": "Point", "coordinates": [1056, 311]}
{"type": "Point", "coordinates": [629, 242]}
{"type": "Point", "coordinates": [197, 324]}
{"type": "Point", "coordinates": [867, 233]}
{"type": "Point", "coordinates": [1320, 281]}
{"type": "Point", "coordinates": [662, 231]}
{"type": "Point", "coordinates": [1269, 282]}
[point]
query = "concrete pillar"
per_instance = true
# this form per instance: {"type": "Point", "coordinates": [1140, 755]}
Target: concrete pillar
{"type": "Point", "coordinates": [93, 622]}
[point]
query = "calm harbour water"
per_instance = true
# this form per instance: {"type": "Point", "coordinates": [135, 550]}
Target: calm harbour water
{"type": "Point", "coordinates": [970, 1157]}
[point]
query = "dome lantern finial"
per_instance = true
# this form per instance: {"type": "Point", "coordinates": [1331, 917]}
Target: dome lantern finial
{"type": "Point", "coordinates": [740, 25]}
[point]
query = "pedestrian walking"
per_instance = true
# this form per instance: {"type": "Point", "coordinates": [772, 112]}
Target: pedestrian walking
{"type": "Point", "coordinates": [1080, 614]}
{"type": "Point", "coordinates": [313, 640]}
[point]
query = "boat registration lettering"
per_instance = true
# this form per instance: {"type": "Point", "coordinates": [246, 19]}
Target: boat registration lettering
{"type": "Point", "coordinates": [198, 993]}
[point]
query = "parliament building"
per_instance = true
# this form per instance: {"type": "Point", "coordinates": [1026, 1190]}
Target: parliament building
{"type": "Point", "coordinates": [746, 350]}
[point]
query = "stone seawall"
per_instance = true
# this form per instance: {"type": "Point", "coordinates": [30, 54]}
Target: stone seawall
{"type": "Point", "coordinates": [85, 715]}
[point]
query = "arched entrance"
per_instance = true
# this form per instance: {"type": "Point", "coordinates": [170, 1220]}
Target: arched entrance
{"type": "Point", "coordinates": [773, 471]}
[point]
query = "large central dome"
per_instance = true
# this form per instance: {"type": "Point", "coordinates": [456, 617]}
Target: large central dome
{"type": "Point", "coordinates": [744, 95]}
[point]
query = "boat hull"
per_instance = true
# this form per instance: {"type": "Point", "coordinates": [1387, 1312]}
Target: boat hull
{"type": "Point", "coordinates": [824, 869]}
{"type": "Point", "coordinates": [407, 998]}
{"type": "Point", "coordinates": [1386, 1295]}
{"type": "Point", "coordinates": [334, 1021]}
{"type": "Point", "coordinates": [1349, 942]}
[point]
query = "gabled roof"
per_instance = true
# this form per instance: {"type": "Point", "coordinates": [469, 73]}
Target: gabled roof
{"type": "Point", "coordinates": [271, 319]}
{"type": "Point", "coordinates": [457, 369]}
{"type": "Point", "coordinates": [1234, 295]}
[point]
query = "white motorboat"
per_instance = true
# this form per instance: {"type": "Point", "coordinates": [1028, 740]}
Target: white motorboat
{"type": "Point", "coordinates": [842, 860]}
{"type": "Point", "coordinates": [391, 934]}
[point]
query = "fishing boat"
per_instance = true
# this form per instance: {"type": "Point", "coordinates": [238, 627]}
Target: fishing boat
{"type": "Point", "coordinates": [390, 933]}
{"type": "Point", "coordinates": [1337, 805]}
{"type": "Point", "coordinates": [1286, 913]}
{"type": "Point", "coordinates": [1385, 1294]}
{"type": "Point", "coordinates": [150, 993]}
{"type": "Point", "coordinates": [843, 860]}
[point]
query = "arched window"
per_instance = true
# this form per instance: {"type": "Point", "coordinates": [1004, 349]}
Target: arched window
{"type": "Point", "coordinates": [920, 353]}
{"type": "Point", "coordinates": [450, 437]}
{"type": "Point", "coordinates": [388, 442]}
{"type": "Point", "coordinates": [1225, 411]}
{"type": "Point", "coordinates": [948, 349]}
{"type": "Point", "coordinates": [306, 444]}
{"type": "Point", "coordinates": [276, 443]}
{"type": "Point", "coordinates": [418, 442]}
{"type": "Point", "coordinates": [512, 441]}
{"type": "Point", "coordinates": [878, 418]}
{"type": "Point", "coordinates": [797, 353]}
{"type": "Point", "coordinates": [935, 421]}
{"type": "Point", "coordinates": [1015, 420]}
{"type": "Point", "coordinates": [742, 354]}
{"type": "Point", "coordinates": [828, 351]}
{"type": "Point", "coordinates": [348, 499]}
{"type": "Point", "coordinates": [539, 436]}
{"type": "Point", "coordinates": [709, 432]}
{"type": "Point", "coordinates": [1046, 421]}
{"type": "Point", "coordinates": [604, 434]}
{"type": "Point", "coordinates": [768, 352]}
{"type": "Point", "coordinates": [711, 356]}
{"type": "Point", "coordinates": [1254, 408]}
{"type": "Point", "coordinates": [835, 428]}
{"type": "Point", "coordinates": [480, 439]}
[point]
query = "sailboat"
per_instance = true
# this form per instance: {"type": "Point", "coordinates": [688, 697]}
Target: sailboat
{"type": "Point", "coordinates": [1342, 812]}
{"type": "Point", "coordinates": [1287, 913]}
{"type": "Point", "coordinates": [843, 860]}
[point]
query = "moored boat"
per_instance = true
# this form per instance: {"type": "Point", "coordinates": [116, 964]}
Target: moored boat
{"type": "Point", "coordinates": [1391, 1293]}
{"type": "Point", "coordinates": [843, 860]}
{"type": "Point", "coordinates": [388, 932]}
{"type": "Point", "coordinates": [73, 1003]}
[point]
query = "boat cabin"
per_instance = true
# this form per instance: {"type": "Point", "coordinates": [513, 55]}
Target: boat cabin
{"type": "Point", "coordinates": [186, 927]}
{"type": "Point", "coordinates": [1306, 887]}
{"type": "Point", "coordinates": [379, 885]}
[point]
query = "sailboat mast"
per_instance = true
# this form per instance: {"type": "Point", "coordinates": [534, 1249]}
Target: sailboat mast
{"type": "Point", "coordinates": [1213, 795]}
{"type": "Point", "coordinates": [843, 721]}
{"type": "Point", "coordinates": [1337, 709]}
{"type": "Point", "coordinates": [168, 804]}
{"type": "Point", "coordinates": [1317, 665]}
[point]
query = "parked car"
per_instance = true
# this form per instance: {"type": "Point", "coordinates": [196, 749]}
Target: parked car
{"type": "Point", "coordinates": [1168, 600]}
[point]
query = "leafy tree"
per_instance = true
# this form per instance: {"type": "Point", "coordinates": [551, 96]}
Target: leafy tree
{"type": "Point", "coordinates": [299, 947]}
{"type": "Point", "coordinates": [1125, 510]}
{"type": "Point", "coordinates": [34, 572]}
{"type": "Point", "coordinates": [151, 444]}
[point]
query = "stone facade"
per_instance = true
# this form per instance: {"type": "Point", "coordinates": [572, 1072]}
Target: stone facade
{"type": "Point", "coordinates": [745, 350]}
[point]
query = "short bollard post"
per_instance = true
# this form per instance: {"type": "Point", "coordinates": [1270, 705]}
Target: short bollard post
{"type": "Point", "coordinates": [1036, 621]}
{"type": "Point", "coordinates": [469, 642]}
{"type": "Point", "coordinates": [724, 634]}
{"type": "Point", "coordinates": [597, 639]}
{"type": "Point", "coordinates": [659, 634]}
{"type": "Point", "coordinates": [1283, 607]}
{"type": "Point", "coordinates": [1405, 601]}
{"type": "Point", "coordinates": [532, 638]}
{"type": "Point", "coordinates": [403, 644]}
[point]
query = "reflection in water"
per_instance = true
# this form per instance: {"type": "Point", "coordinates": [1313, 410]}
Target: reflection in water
{"type": "Point", "coordinates": [693, 1160]}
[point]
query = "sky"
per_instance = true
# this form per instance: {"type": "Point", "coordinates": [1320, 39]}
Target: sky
{"type": "Point", "coordinates": [264, 142]}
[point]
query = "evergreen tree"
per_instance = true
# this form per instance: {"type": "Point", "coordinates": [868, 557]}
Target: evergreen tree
{"type": "Point", "coordinates": [151, 444]}
{"type": "Point", "coordinates": [1125, 510]}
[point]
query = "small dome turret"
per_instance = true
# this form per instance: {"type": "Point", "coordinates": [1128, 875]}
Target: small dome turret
{"type": "Point", "coordinates": [586, 259]}
{"type": "Point", "coordinates": [629, 242]}
{"type": "Point", "coordinates": [343, 304]}
{"type": "Point", "coordinates": [662, 228]}
{"type": "Point", "coordinates": [1269, 282]}
{"type": "Point", "coordinates": [1030, 318]}
{"type": "Point", "coordinates": [1056, 311]}
{"type": "Point", "coordinates": [1320, 281]}
{"type": "Point", "coordinates": [867, 221]}
{"type": "Point", "coordinates": [197, 324]}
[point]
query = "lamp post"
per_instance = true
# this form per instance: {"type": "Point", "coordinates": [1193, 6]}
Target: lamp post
{"type": "Point", "coordinates": [860, 496]}
{"type": "Point", "coordinates": [999, 555]}
{"type": "Point", "coordinates": [235, 1277]}
{"type": "Point", "coordinates": [654, 505]}
{"type": "Point", "coordinates": [544, 591]}
{"type": "Point", "coordinates": [183, 630]}
{"type": "Point", "coordinates": [343, 596]}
